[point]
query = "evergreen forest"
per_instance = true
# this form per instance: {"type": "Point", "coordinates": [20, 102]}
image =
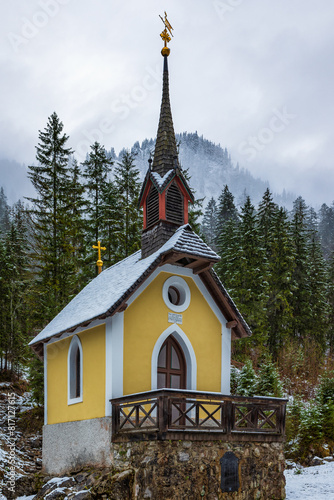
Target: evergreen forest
{"type": "Point", "coordinates": [277, 265]}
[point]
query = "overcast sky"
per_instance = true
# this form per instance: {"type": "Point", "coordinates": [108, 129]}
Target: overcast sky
{"type": "Point", "coordinates": [255, 76]}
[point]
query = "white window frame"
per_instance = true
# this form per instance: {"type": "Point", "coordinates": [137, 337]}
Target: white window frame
{"type": "Point", "coordinates": [71, 370]}
{"type": "Point", "coordinates": [182, 286]}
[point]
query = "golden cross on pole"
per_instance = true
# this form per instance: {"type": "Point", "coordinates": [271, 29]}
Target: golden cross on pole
{"type": "Point", "coordinates": [166, 35]}
{"type": "Point", "coordinates": [99, 263]}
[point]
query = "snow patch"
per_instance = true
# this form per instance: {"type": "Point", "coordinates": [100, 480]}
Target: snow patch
{"type": "Point", "coordinates": [315, 482]}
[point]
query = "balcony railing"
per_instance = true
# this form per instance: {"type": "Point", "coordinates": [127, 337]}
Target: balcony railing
{"type": "Point", "coordinates": [179, 414]}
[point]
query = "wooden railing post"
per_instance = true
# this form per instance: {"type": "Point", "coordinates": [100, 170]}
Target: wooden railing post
{"type": "Point", "coordinates": [163, 413]}
{"type": "Point", "coordinates": [229, 416]}
{"type": "Point", "coordinates": [255, 417]}
{"type": "Point", "coordinates": [114, 419]}
{"type": "Point", "coordinates": [280, 419]}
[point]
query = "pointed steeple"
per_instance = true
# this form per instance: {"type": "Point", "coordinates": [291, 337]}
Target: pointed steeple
{"type": "Point", "coordinates": [165, 193]}
{"type": "Point", "coordinates": [165, 153]}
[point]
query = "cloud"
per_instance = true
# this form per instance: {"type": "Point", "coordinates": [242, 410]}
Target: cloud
{"type": "Point", "coordinates": [232, 63]}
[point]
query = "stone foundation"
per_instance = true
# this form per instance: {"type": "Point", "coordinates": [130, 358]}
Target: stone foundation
{"type": "Point", "coordinates": [191, 469]}
{"type": "Point", "coordinates": [70, 445]}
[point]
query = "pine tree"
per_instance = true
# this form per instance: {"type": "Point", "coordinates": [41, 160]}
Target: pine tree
{"type": "Point", "coordinates": [75, 232]}
{"type": "Point", "coordinates": [209, 224]}
{"type": "Point", "coordinates": [227, 239]}
{"type": "Point", "coordinates": [228, 249]}
{"type": "Point", "coordinates": [3, 306]}
{"type": "Point", "coordinates": [50, 220]}
{"type": "Point", "coordinates": [247, 380]}
{"type": "Point", "coordinates": [96, 170]}
{"type": "Point", "coordinates": [330, 302]}
{"type": "Point", "coordinates": [302, 294]}
{"type": "Point", "coordinates": [275, 230]}
{"type": "Point", "coordinates": [4, 212]}
{"type": "Point", "coordinates": [326, 229]}
{"type": "Point", "coordinates": [268, 382]}
{"type": "Point", "coordinates": [250, 286]}
{"type": "Point", "coordinates": [13, 284]}
{"type": "Point", "coordinates": [110, 216]}
{"type": "Point", "coordinates": [226, 209]}
{"type": "Point", "coordinates": [128, 230]}
{"type": "Point", "coordinates": [266, 212]}
{"type": "Point", "coordinates": [316, 277]}
{"type": "Point", "coordinates": [281, 268]}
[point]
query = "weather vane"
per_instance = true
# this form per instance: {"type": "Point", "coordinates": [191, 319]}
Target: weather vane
{"type": "Point", "coordinates": [99, 263]}
{"type": "Point", "coordinates": [166, 35]}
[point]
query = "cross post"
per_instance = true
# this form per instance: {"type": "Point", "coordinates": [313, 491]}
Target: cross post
{"type": "Point", "coordinates": [99, 262]}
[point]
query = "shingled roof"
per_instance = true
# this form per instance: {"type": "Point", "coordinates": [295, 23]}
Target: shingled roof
{"type": "Point", "coordinates": [107, 293]}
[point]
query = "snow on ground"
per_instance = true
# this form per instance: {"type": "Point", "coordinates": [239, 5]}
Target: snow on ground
{"type": "Point", "coordinates": [315, 482]}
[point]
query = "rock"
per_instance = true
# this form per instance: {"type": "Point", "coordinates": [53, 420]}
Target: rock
{"type": "Point", "coordinates": [79, 478]}
{"type": "Point", "coordinates": [316, 461]}
{"type": "Point", "coordinates": [57, 494]}
{"type": "Point", "coordinates": [117, 486]}
{"type": "Point", "coordinates": [82, 495]}
{"type": "Point", "coordinates": [36, 442]}
{"type": "Point", "coordinates": [183, 457]}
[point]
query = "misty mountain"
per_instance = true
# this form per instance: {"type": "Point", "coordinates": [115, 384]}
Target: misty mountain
{"type": "Point", "coordinates": [14, 180]}
{"type": "Point", "coordinates": [209, 165]}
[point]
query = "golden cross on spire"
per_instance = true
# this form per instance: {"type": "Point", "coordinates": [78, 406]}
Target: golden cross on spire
{"type": "Point", "coordinates": [99, 262]}
{"type": "Point", "coordinates": [166, 35]}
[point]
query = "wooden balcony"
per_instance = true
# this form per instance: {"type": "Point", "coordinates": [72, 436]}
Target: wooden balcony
{"type": "Point", "coordinates": [194, 416]}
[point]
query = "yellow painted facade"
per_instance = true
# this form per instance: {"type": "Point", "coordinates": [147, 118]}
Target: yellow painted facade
{"type": "Point", "coordinates": [94, 369]}
{"type": "Point", "coordinates": [144, 321]}
{"type": "Point", "coordinates": [147, 318]}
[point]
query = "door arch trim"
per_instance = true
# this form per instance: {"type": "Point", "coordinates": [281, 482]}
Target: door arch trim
{"type": "Point", "coordinates": [188, 351]}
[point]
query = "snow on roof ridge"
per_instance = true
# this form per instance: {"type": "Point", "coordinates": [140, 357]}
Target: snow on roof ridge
{"type": "Point", "coordinates": [159, 179]}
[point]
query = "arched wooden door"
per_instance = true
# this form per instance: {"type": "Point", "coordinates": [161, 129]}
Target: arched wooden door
{"type": "Point", "coordinates": [171, 365]}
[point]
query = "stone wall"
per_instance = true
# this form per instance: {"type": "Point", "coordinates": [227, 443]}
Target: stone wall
{"type": "Point", "coordinates": [191, 469]}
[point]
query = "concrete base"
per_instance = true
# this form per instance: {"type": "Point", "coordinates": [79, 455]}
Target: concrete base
{"type": "Point", "coordinates": [70, 445]}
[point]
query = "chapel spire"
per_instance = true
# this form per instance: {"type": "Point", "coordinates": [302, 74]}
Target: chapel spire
{"type": "Point", "coordinates": [165, 153]}
{"type": "Point", "coordinates": [165, 193]}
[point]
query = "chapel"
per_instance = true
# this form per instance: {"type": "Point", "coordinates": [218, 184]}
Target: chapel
{"type": "Point", "coordinates": [157, 324]}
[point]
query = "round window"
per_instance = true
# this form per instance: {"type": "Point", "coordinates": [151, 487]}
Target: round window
{"type": "Point", "coordinates": [176, 294]}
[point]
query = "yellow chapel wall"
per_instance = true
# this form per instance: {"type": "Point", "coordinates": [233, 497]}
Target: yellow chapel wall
{"type": "Point", "coordinates": [146, 319]}
{"type": "Point", "coordinates": [93, 353]}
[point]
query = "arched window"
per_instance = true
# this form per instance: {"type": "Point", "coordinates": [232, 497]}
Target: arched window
{"type": "Point", "coordinates": [75, 371]}
{"type": "Point", "coordinates": [174, 205]}
{"type": "Point", "coordinates": [171, 365]}
{"type": "Point", "coordinates": [152, 207]}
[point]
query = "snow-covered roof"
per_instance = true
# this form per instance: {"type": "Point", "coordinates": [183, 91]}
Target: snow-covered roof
{"type": "Point", "coordinates": [160, 181]}
{"type": "Point", "coordinates": [109, 289]}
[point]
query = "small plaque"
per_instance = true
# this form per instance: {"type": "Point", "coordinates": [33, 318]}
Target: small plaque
{"type": "Point", "coordinates": [175, 318]}
{"type": "Point", "coordinates": [229, 465]}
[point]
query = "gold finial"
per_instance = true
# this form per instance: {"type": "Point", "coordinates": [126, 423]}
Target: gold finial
{"type": "Point", "coordinates": [165, 35]}
{"type": "Point", "coordinates": [99, 263]}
